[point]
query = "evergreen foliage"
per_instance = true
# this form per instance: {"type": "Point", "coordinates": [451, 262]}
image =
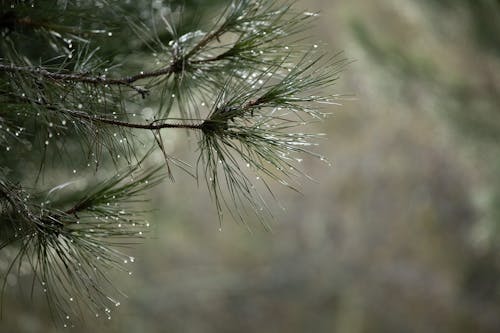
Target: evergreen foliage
{"type": "Point", "coordinates": [76, 79]}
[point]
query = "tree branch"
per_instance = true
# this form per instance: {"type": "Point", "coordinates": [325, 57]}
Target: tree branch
{"type": "Point", "coordinates": [152, 126]}
{"type": "Point", "coordinates": [85, 78]}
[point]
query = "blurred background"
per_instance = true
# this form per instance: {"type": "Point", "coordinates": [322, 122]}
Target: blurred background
{"type": "Point", "coordinates": [401, 234]}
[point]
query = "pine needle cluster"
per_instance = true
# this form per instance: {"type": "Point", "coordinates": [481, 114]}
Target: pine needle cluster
{"type": "Point", "coordinates": [75, 79]}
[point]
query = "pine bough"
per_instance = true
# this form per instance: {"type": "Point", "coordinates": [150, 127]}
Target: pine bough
{"type": "Point", "coordinates": [246, 88]}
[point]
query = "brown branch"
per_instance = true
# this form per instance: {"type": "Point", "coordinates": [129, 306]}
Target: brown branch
{"type": "Point", "coordinates": [175, 66]}
{"type": "Point", "coordinates": [85, 78]}
{"type": "Point", "coordinates": [206, 40]}
{"type": "Point", "coordinates": [127, 80]}
{"type": "Point", "coordinates": [152, 126]}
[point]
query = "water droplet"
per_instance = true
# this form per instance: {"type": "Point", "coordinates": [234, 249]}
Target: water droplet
{"type": "Point", "coordinates": [110, 34]}
{"type": "Point", "coordinates": [74, 171]}
{"type": "Point", "coordinates": [80, 105]}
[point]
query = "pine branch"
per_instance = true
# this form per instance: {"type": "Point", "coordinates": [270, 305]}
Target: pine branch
{"type": "Point", "coordinates": [61, 242]}
{"type": "Point", "coordinates": [246, 87]}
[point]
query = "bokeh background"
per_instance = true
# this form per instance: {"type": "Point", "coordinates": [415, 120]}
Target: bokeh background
{"type": "Point", "coordinates": [400, 234]}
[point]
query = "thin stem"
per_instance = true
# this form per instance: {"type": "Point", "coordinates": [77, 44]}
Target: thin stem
{"type": "Point", "coordinates": [151, 126]}
{"type": "Point", "coordinates": [206, 40]}
{"type": "Point", "coordinates": [154, 125]}
{"type": "Point", "coordinates": [85, 78]}
{"type": "Point", "coordinates": [127, 80]}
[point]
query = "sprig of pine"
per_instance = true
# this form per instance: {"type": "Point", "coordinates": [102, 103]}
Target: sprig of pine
{"type": "Point", "coordinates": [247, 87]}
{"type": "Point", "coordinates": [71, 249]}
